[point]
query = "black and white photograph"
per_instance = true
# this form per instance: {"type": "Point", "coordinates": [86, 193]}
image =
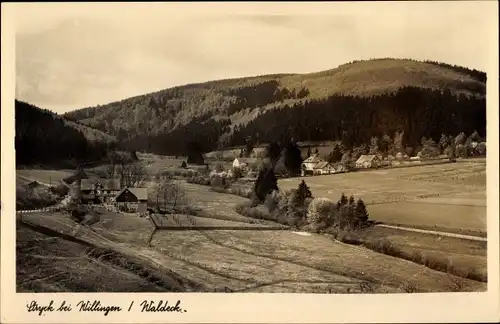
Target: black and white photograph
{"type": "Point", "coordinates": [332, 152]}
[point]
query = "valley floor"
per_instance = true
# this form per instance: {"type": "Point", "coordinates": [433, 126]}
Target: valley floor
{"type": "Point", "coordinates": [238, 256]}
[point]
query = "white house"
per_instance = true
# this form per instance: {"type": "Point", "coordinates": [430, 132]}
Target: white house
{"type": "Point", "coordinates": [323, 168]}
{"type": "Point", "coordinates": [309, 164]}
{"type": "Point", "coordinates": [368, 161]}
{"type": "Point", "coordinates": [238, 164]}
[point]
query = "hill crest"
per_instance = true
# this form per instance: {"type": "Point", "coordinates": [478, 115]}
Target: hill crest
{"type": "Point", "coordinates": [231, 103]}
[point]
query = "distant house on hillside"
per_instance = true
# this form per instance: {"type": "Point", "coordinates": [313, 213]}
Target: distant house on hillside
{"type": "Point", "coordinates": [368, 161]}
{"type": "Point", "coordinates": [323, 168]}
{"type": "Point", "coordinates": [133, 199]}
{"type": "Point", "coordinates": [308, 164]}
{"type": "Point", "coordinates": [99, 190]}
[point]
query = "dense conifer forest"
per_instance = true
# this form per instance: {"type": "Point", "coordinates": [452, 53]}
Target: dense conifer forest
{"type": "Point", "coordinates": [44, 138]}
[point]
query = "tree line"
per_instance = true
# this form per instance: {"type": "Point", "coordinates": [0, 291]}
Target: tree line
{"type": "Point", "coordinates": [354, 120]}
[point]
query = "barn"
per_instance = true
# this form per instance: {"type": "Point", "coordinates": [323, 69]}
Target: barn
{"type": "Point", "coordinates": [133, 200]}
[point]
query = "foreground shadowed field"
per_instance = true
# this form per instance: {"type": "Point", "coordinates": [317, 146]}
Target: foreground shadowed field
{"type": "Point", "coordinates": [245, 260]}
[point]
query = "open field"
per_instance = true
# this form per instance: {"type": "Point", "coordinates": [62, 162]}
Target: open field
{"type": "Point", "coordinates": [449, 196]}
{"type": "Point", "coordinates": [252, 260]}
{"type": "Point", "coordinates": [43, 176]}
{"type": "Point", "coordinates": [464, 255]}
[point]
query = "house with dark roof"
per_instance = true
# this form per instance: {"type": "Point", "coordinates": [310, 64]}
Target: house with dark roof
{"type": "Point", "coordinates": [99, 190]}
{"type": "Point", "coordinates": [132, 199]}
{"type": "Point", "coordinates": [368, 161]}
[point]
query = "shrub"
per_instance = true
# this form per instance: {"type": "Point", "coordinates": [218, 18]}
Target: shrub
{"type": "Point", "coordinates": [320, 212]}
{"type": "Point", "coordinates": [254, 212]}
{"type": "Point", "coordinates": [78, 214]}
{"type": "Point", "coordinates": [217, 181]}
{"type": "Point", "coordinates": [34, 198]}
{"type": "Point", "coordinates": [237, 173]}
{"type": "Point", "coordinates": [60, 190]}
{"type": "Point", "coordinates": [272, 200]}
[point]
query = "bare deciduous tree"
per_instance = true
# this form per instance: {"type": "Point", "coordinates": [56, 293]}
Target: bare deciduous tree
{"type": "Point", "coordinates": [132, 174]}
{"type": "Point", "coordinates": [172, 193]}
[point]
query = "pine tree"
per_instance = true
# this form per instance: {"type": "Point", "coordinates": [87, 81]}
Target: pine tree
{"type": "Point", "coordinates": [274, 152]}
{"type": "Point", "coordinates": [361, 212]}
{"type": "Point", "coordinates": [266, 182]}
{"type": "Point", "coordinates": [308, 152]}
{"type": "Point", "coordinates": [335, 155]}
{"type": "Point", "coordinates": [303, 191]}
{"type": "Point", "coordinates": [293, 159]}
{"type": "Point", "coordinates": [343, 201]}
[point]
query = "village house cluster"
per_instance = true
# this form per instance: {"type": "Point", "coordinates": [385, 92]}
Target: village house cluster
{"type": "Point", "coordinates": [109, 192]}
{"type": "Point", "coordinates": [315, 165]}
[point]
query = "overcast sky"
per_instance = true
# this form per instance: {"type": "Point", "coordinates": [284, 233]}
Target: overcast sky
{"type": "Point", "coordinates": [71, 56]}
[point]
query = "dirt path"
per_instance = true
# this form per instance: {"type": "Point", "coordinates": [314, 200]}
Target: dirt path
{"type": "Point", "coordinates": [462, 236]}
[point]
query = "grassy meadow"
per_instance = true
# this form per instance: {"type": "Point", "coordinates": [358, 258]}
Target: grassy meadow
{"type": "Point", "coordinates": [447, 196]}
{"type": "Point", "coordinates": [43, 176]}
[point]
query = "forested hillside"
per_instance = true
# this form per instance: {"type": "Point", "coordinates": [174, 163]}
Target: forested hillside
{"type": "Point", "coordinates": [45, 138]}
{"type": "Point", "coordinates": [351, 103]}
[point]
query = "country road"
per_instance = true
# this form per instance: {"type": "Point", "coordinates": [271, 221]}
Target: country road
{"type": "Point", "coordinates": [461, 236]}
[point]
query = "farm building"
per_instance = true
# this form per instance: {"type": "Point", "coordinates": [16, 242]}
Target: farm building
{"type": "Point", "coordinates": [133, 199]}
{"type": "Point", "coordinates": [99, 190]}
{"type": "Point", "coordinates": [308, 164]}
{"type": "Point", "coordinates": [368, 161]}
{"type": "Point", "coordinates": [239, 164]}
{"type": "Point", "coordinates": [323, 168]}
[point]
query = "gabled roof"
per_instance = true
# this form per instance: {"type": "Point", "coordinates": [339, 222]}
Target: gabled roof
{"type": "Point", "coordinates": [87, 184]}
{"type": "Point", "coordinates": [139, 193]}
{"type": "Point", "coordinates": [107, 184]}
{"type": "Point", "coordinates": [366, 158]}
{"type": "Point", "coordinates": [315, 158]}
{"type": "Point", "coordinates": [110, 184]}
{"type": "Point", "coordinates": [321, 165]}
